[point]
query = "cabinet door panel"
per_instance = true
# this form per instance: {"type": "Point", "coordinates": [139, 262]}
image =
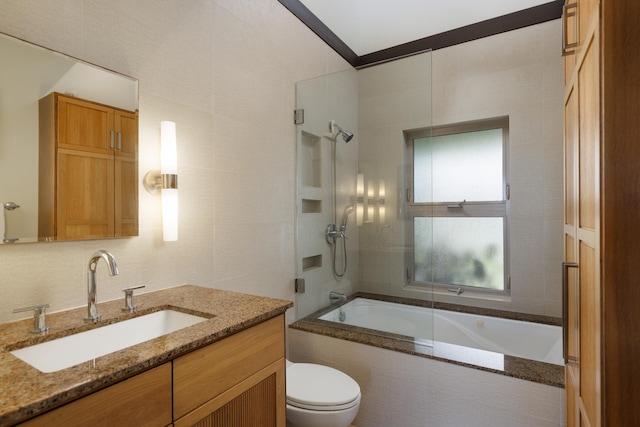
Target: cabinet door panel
{"type": "Point", "coordinates": [589, 345]}
{"type": "Point", "coordinates": [570, 163]}
{"type": "Point", "coordinates": [143, 400]}
{"type": "Point", "coordinates": [126, 127]}
{"type": "Point", "coordinates": [126, 197]}
{"type": "Point", "coordinates": [205, 373]}
{"type": "Point", "coordinates": [259, 401]}
{"type": "Point", "coordinates": [84, 125]}
{"type": "Point", "coordinates": [582, 227]}
{"type": "Point", "coordinates": [85, 196]}
{"type": "Point", "coordinates": [589, 138]}
{"type": "Point", "coordinates": [126, 174]}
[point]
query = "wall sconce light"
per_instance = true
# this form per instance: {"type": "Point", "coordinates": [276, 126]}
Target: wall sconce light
{"type": "Point", "coordinates": [381, 195]}
{"type": "Point", "coordinates": [165, 181]}
{"type": "Point", "coordinates": [374, 205]}
{"type": "Point", "coordinates": [370, 202]}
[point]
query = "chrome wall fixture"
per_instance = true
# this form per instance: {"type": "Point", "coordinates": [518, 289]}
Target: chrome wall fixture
{"type": "Point", "coordinates": [164, 182]}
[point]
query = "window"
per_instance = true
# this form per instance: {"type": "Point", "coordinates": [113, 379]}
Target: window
{"type": "Point", "coordinates": [457, 205]}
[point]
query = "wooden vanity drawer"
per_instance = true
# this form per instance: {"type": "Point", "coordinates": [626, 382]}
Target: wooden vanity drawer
{"type": "Point", "coordinates": [143, 400]}
{"type": "Point", "coordinates": [206, 373]}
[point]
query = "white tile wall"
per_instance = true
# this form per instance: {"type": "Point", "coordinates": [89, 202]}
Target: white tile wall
{"type": "Point", "coordinates": [401, 390]}
{"type": "Point", "coordinates": [225, 72]}
{"type": "Point", "coordinates": [518, 74]}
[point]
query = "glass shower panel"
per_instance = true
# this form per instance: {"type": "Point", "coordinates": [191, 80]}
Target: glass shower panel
{"type": "Point", "coordinates": [378, 104]}
{"type": "Point", "coordinates": [394, 99]}
{"type": "Point", "coordinates": [322, 195]}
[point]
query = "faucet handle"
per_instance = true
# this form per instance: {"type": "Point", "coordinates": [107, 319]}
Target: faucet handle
{"type": "Point", "coordinates": [39, 317]}
{"type": "Point", "coordinates": [128, 298]}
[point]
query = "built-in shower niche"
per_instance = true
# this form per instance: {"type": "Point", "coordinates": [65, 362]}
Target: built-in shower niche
{"type": "Point", "coordinates": [311, 206]}
{"type": "Point", "coordinates": [311, 160]}
{"type": "Point", "coordinates": [311, 262]}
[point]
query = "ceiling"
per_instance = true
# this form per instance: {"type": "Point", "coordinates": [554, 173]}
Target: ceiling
{"type": "Point", "coordinates": [369, 31]}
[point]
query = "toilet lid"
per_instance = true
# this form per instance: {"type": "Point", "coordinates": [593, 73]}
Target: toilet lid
{"type": "Point", "coordinates": [319, 387]}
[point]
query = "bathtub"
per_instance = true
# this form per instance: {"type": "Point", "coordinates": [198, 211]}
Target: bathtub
{"type": "Point", "coordinates": [526, 340]}
{"type": "Point", "coordinates": [488, 371]}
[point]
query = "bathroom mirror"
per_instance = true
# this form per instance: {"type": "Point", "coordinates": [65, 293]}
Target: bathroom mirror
{"type": "Point", "coordinates": [29, 73]}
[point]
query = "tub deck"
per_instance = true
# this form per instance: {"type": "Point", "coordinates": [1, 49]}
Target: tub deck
{"type": "Point", "coordinates": [517, 367]}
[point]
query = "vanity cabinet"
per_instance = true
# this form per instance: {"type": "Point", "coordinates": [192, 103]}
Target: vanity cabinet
{"type": "Point", "coordinates": [88, 171]}
{"type": "Point", "coordinates": [235, 382]}
{"type": "Point", "coordinates": [143, 400]}
{"type": "Point", "coordinates": [601, 233]}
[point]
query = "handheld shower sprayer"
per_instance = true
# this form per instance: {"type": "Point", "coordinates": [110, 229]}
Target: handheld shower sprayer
{"type": "Point", "coordinates": [345, 216]}
{"type": "Point", "coordinates": [334, 232]}
{"type": "Point", "coordinates": [337, 130]}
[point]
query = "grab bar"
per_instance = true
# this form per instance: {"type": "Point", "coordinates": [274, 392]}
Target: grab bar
{"type": "Point", "coordinates": [569, 360]}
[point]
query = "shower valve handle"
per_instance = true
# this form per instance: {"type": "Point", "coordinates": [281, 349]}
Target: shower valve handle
{"type": "Point", "coordinates": [332, 234]}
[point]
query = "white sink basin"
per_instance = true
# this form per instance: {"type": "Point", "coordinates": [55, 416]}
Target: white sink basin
{"type": "Point", "coordinates": [52, 356]}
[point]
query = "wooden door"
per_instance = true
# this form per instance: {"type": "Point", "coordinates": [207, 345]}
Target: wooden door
{"type": "Point", "coordinates": [582, 227]}
{"type": "Point", "coordinates": [84, 126]}
{"type": "Point", "coordinates": [84, 208]}
{"type": "Point", "coordinates": [85, 175]}
{"type": "Point", "coordinates": [126, 173]}
{"type": "Point", "coordinates": [571, 291]}
{"type": "Point", "coordinates": [142, 400]}
{"type": "Point", "coordinates": [589, 233]}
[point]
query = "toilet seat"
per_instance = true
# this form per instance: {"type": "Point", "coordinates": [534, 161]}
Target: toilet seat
{"type": "Point", "coordinates": [320, 388]}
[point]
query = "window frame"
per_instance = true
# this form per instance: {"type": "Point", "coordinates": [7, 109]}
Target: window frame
{"type": "Point", "coordinates": [466, 209]}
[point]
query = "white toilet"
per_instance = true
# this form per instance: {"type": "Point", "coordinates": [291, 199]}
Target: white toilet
{"type": "Point", "coordinates": [320, 396]}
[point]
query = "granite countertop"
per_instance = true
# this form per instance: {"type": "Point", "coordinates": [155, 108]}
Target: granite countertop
{"type": "Point", "coordinates": [25, 391]}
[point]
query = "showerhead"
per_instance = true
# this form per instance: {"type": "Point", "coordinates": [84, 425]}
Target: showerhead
{"type": "Point", "coordinates": [346, 135]}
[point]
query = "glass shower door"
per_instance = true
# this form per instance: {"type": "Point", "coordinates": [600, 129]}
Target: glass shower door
{"type": "Point", "coordinates": [326, 187]}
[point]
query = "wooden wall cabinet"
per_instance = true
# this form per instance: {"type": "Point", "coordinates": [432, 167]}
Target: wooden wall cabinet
{"type": "Point", "coordinates": [602, 195]}
{"type": "Point", "coordinates": [88, 172]}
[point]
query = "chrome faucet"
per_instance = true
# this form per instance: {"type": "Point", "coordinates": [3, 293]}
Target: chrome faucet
{"type": "Point", "coordinates": [92, 307]}
{"type": "Point", "coordinates": [336, 296]}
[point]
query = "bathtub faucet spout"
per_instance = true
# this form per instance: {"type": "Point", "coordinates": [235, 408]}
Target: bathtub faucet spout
{"type": "Point", "coordinates": [336, 296]}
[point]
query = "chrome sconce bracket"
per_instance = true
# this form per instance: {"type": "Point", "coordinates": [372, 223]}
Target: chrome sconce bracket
{"type": "Point", "coordinates": [154, 182]}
